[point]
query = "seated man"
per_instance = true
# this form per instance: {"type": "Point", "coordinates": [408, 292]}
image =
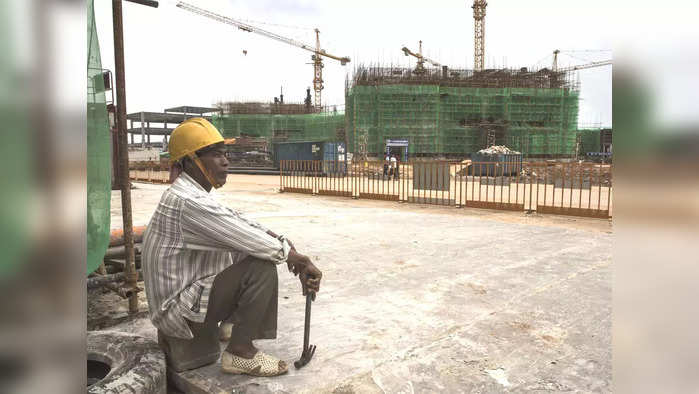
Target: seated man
{"type": "Point", "coordinates": [204, 263]}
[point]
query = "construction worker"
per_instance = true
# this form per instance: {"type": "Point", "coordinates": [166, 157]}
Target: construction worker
{"type": "Point", "coordinates": [386, 164]}
{"type": "Point", "coordinates": [204, 263]}
{"type": "Point", "coordinates": [394, 167]}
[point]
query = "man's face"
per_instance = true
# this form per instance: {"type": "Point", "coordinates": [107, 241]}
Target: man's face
{"type": "Point", "coordinates": [214, 159]}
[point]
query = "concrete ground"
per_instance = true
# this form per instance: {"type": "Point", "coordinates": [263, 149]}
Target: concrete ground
{"type": "Point", "coordinates": [421, 298]}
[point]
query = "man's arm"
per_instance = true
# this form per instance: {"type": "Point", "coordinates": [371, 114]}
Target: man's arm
{"type": "Point", "coordinates": [270, 232]}
{"type": "Point", "coordinates": [301, 265]}
{"type": "Point", "coordinates": [247, 220]}
{"type": "Point", "coordinates": [261, 227]}
{"type": "Point", "coordinates": [207, 225]}
{"type": "Point", "coordinates": [210, 226]}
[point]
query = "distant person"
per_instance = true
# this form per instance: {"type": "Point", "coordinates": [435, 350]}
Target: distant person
{"type": "Point", "coordinates": [386, 164]}
{"type": "Point", "coordinates": [205, 263]}
{"type": "Point", "coordinates": [394, 167]}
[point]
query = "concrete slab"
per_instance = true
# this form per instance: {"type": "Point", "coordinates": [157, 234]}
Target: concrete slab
{"type": "Point", "coordinates": [418, 298]}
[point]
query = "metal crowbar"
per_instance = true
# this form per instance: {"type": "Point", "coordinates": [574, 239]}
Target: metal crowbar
{"type": "Point", "coordinates": [308, 350]}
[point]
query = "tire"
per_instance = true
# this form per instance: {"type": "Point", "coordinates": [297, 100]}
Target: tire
{"type": "Point", "coordinates": [135, 365]}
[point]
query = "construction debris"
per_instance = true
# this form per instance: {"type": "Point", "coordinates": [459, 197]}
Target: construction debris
{"type": "Point", "coordinates": [498, 150]}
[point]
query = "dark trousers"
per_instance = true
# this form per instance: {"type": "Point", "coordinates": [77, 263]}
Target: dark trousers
{"type": "Point", "coordinates": [245, 294]}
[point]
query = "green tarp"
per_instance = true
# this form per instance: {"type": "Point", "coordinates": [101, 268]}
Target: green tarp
{"type": "Point", "coordinates": [98, 152]}
{"type": "Point", "coordinates": [16, 158]}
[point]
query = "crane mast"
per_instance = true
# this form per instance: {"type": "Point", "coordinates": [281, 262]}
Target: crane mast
{"type": "Point", "coordinates": [317, 72]}
{"type": "Point", "coordinates": [555, 60]}
{"type": "Point", "coordinates": [318, 53]}
{"type": "Point", "coordinates": [479, 34]}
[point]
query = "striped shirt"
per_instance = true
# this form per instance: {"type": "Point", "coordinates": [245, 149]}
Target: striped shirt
{"type": "Point", "coordinates": [189, 240]}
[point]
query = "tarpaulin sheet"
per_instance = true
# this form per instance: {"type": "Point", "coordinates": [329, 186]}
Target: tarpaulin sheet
{"type": "Point", "coordinates": [98, 151]}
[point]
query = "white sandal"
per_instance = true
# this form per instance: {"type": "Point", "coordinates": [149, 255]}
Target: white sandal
{"type": "Point", "coordinates": [261, 364]}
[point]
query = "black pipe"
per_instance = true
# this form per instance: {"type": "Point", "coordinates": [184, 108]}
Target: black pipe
{"type": "Point", "coordinates": [119, 252]}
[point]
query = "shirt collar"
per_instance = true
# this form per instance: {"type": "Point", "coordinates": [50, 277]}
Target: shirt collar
{"type": "Point", "coordinates": [189, 182]}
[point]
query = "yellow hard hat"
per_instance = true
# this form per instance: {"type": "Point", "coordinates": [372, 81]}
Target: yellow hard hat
{"type": "Point", "coordinates": [190, 136]}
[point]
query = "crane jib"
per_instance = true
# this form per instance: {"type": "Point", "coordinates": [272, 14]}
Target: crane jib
{"type": "Point", "coordinates": [317, 63]}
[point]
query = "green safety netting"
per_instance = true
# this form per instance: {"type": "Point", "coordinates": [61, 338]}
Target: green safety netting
{"type": "Point", "coordinates": [16, 158]}
{"type": "Point", "coordinates": [589, 140]}
{"type": "Point", "coordinates": [450, 120]}
{"type": "Point", "coordinates": [297, 127]}
{"type": "Point", "coordinates": [434, 119]}
{"type": "Point", "coordinates": [98, 152]}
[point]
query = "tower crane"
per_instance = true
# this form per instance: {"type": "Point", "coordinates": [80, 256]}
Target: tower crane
{"type": "Point", "coordinates": [420, 68]}
{"type": "Point", "coordinates": [555, 68]}
{"type": "Point", "coordinates": [317, 56]}
{"type": "Point", "coordinates": [479, 34]}
{"type": "Point", "coordinates": [587, 65]}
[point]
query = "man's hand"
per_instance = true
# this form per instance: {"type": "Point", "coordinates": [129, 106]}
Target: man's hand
{"type": "Point", "coordinates": [308, 274]}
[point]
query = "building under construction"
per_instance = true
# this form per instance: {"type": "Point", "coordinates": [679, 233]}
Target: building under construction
{"type": "Point", "coordinates": [280, 122]}
{"type": "Point", "coordinates": [453, 113]}
{"type": "Point", "coordinates": [425, 112]}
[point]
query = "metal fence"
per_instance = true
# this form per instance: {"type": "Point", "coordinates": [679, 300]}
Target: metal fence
{"type": "Point", "coordinates": [577, 189]}
{"type": "Point", "coordinates": [149, 172]}
{"type": "Point", "coordinates": [150, 175]}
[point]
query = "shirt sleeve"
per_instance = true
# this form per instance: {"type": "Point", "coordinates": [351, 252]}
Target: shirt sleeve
{"type": "Point", "coordinates": [208, 225]}
{"type": "Point", "coordinates": [252, 223]}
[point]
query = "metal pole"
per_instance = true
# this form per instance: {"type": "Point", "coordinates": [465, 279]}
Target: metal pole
{"type": "Point", "coordinates": [100, 280]}
{"type": "Point", "coordinates": [130, 268]}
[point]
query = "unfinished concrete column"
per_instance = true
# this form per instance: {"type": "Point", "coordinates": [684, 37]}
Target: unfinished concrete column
{"type": "Point", "coordinates": [143, 131]}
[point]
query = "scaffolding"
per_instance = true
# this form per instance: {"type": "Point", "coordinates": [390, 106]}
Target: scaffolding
{"type": "Point", "coordinates": [258, 108]}
{"type": "Point", "coordinates": [324, 126]}
{"type": "Point", "coordinates": [458, 112]}
{"type": "Point", "coordinates": [588, 140]}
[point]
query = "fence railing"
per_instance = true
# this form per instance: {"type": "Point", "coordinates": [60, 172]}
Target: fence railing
{"type": "Point", "coordinates": [578, 189]}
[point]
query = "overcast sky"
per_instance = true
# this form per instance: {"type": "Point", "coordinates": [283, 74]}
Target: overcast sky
{"type": "Point", "coordinates": [174, 57]}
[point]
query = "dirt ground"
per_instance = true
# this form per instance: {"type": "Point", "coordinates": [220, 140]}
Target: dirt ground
{"type": "Point", "coordinates": [424, 298]}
